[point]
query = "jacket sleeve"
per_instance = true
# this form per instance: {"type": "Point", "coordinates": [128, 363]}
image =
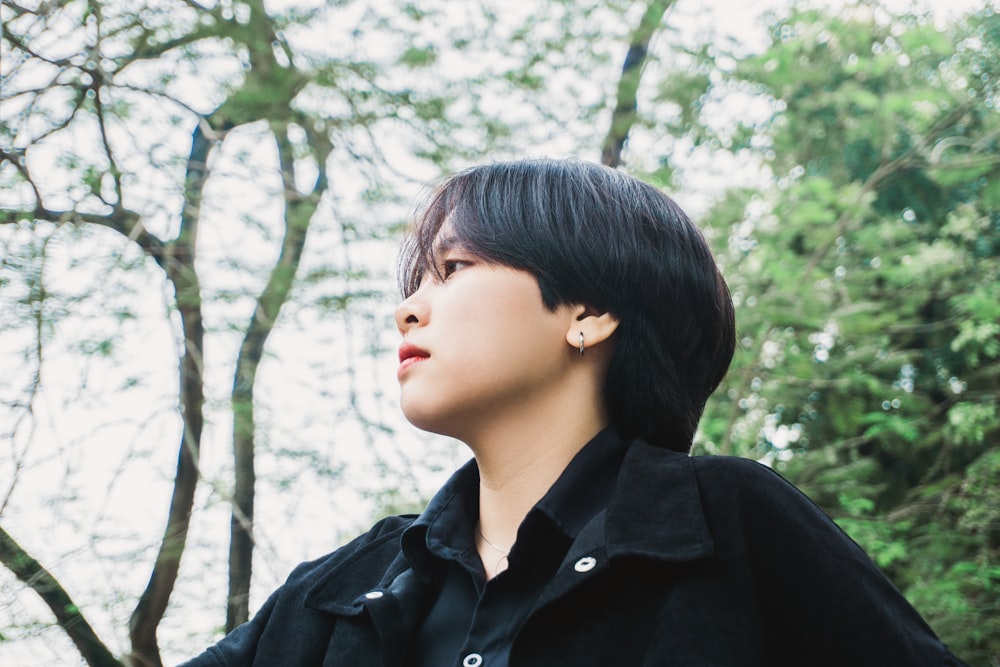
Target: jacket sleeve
{"type": "Point", "coordinates": [823, 600]}
{"type": "Point", "coordinates": [240, 645]}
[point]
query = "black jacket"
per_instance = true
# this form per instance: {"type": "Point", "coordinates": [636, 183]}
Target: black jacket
{"type": "Point", "coordinates": [708, 561]}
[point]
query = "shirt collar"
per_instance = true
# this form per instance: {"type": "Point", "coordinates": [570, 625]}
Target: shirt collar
{"type": "Point", "coordinates": [655, 511]}
{"type": "Point", "coordinates": [446, 528]}
{"type": "Point", "coordinates": [585, 487]}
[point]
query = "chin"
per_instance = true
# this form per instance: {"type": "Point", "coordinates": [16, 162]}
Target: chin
{"type": "Point", "coordinates": [426, 418]}
{"type": "Point", "coordinates": [420, 416]}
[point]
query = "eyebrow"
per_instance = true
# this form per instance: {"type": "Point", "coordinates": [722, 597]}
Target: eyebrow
{"type": "Point", "coordinates": [447, 243]}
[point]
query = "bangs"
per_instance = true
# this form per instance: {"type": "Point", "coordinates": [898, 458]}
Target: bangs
{"type": "Point", "coordinates": [562, 221]}
{"type": "Point", "coordinates": [466, 211]}
{"type": "Point", "coordinates": [418, 253]}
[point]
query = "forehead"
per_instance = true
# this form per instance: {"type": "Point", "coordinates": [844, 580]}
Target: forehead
{"type": "Point", "coordinates": [445, 240]}
{"type": "Point", "coordinates": [446, 237]}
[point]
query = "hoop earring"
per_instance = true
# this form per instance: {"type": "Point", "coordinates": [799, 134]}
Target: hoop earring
{"type": "Point", "coordinates": [581, 343]}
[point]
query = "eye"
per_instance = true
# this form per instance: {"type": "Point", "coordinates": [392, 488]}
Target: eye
{"type": "Point", "coordinates": [450, 266]}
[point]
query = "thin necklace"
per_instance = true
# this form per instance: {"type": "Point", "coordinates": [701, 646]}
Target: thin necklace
{"type": "Point", "coordinates": [500, 550]}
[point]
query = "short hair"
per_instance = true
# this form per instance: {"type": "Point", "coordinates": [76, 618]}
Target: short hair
{"type": "Point", "coordinates": [596, 236]}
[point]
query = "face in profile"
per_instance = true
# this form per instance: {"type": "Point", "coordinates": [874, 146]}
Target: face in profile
{"type": "Point", "coordinates": [479, 345]}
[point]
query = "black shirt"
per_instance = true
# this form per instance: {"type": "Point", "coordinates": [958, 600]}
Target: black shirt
{"type": "Point", "coordinates": [470, 622]}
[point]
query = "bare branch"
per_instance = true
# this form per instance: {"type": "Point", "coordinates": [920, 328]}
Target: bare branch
{"type": "Point", "coordinates": [106, 143]}
{"type": "Point", "coordinates": [298, 215]}
{"type": "Point", "coordinates": [16, 158]}
{"type": "Point", "coordinates": [948, 142]}
{"type": "Point", "coordinates": [67, 614]}
{"type": "Point", "coordinates": [20, 10]}
{"type": "Point", "coordinates": [38, 300]}
{"type": "Point", "coordinates": [179, 264]}
{"type": "Point", "coordinates": [125, 222]}
{"type": "Point", "coordinates": [21, 45]}
{"type": "Point", "coordinates": [143, 50]}
{"type": "Point", "coordinates": [626, 108]}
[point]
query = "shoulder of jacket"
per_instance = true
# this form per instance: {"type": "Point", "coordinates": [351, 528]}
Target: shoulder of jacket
{"type": "Point", "coordinates": [737, 476]}
{"type": "Point", "coordinates": [385, 530]}
{"type": "Point", "coordinates": [736, 465]}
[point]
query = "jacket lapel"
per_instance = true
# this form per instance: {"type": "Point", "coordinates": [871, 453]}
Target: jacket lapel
{"type": "Point", "coordinates": [654, 513]}
{"type": "Point", "coordinates": [376, 579]}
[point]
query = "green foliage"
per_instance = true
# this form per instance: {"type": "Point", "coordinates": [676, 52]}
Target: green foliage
{"type": "Point", "coordinates": [418, 57]}
{"type": "Point", "coordinates": [867, 282]}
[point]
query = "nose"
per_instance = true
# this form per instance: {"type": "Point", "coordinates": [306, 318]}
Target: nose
{"type": "Point", "coordinates": [413, 311]}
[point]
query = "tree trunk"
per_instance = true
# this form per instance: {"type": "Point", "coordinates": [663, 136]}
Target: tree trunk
{"type": "Point", "coordinates": [179, 263]}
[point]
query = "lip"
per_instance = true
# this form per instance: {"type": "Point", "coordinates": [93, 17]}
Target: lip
{"type": "Point", "coordinates": [410, 355]}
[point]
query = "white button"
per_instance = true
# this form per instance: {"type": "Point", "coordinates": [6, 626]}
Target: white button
{"type": "Point", "coordinates": [374, 595]}
{"type": "Point", "coordinates": [472, 660]}
{"type": "Point", "coordinates": [585, 564]}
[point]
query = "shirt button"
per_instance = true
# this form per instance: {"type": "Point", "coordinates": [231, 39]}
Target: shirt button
{"type": "Point", "coordinates": [585, 564]}
{"type": "Point", "coordinates": [472, 660]}
{"type": "Point", "coordinates": [373, 595]}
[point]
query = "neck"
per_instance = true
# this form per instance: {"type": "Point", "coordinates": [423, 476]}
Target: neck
{"type": "Point", "coordinates": [523, 444]}
{"type": "Point", "coordinates": [518, 463]}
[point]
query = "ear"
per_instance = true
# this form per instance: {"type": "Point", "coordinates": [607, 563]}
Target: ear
{"type": "Point", "coordinates": [595, 326]}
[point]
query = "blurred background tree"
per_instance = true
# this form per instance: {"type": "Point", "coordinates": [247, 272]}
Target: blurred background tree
{"type": "Point", "coordinates": [251, 165]}
{"type": "Point", "coordinates": [149, 142]}
{"type": "Point", "coordinates": [867, 274]}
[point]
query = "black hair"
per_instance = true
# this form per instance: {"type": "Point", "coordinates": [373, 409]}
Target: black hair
{"type": "Point", "coordinates": [598, 237]}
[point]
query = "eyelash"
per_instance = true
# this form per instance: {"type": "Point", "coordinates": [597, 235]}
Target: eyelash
{"type": "Point", "coordinates": [449, 267]}
{"type": "Point", "coordinates": [444, 271]}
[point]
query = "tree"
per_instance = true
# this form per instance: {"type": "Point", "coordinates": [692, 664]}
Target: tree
{"type": "Point", "coordinates": [867, 276]}
{"type": "Point", "coordinates": [85, 81]}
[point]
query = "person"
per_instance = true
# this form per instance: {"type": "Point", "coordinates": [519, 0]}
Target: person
{"type": "Point", "coordinates": [567, 322]}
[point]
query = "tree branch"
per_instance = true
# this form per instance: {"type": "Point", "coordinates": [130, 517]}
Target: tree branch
{"type": "Point", "coordinates": [626, 108]}
{"type": "Point", "coordinates": [910, 159]}
{"type": "Point", "coordinates": [298, 214]}
{"type": "Point", "coordinates": [246, 105]}
{"type": "Point", "coordinates": [179, 263]}
{"type": "Point", "coordinates": [17, 43]}
{"type": "Point", "coordinates": [125, 222]}
{"type": "Point", "coordinates": [105, 141]}
{"type": "Point", "coordinates": [67, 614]}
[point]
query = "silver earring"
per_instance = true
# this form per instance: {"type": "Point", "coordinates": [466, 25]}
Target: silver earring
{"type": "Point", "coordinates": [581, 343]}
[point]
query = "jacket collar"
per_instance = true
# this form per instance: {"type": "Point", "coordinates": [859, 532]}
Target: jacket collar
{"type": "Point", "coordinates": [446, 528]}
{"type": "Point", "coordinates": [341, 585]}
{"type": "Point", "coordinates": [656, 509]}
{"type": "Point", "coordinates": [655, 512]}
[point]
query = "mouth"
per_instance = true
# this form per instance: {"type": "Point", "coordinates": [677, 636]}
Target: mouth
{"type": "Point", "coordinates": [409, 355]}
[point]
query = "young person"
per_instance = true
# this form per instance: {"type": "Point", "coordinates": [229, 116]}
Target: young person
{"type": "Point", "coordinates": [567, 322]}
